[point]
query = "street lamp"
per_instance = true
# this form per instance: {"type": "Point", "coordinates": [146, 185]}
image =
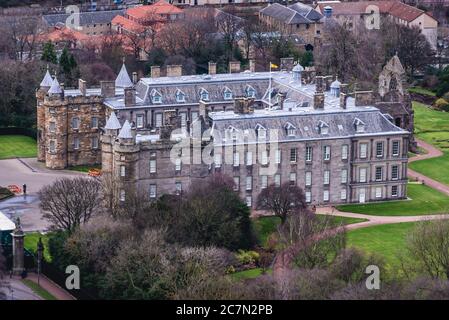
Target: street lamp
{"type": "Point", "coordinates": [40, 251]}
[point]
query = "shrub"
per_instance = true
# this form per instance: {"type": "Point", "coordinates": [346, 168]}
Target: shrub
{"type": "Point", "coordinates": [247, 257]}
{"type": "Point", "coordinates": [442, 104]}
{"type": "Point", "coordinates": [5, 193]}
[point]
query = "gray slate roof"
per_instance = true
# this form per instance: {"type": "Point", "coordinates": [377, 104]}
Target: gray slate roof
{"type": "Point", "coordinates": [123, 80]}
{"type": "Point", "coordinates": [297, 13]}
{"type": "Point", "coordinates": [341, 124]}
{"type": "Point", "coordinates": [125, 132]}
{"type": "Point", "coordinates": [55, 87]}
{"type": "Point", "coordinates": [86, 18]}
{"type": "Point", "coordinates": [47, 81]}
{"type": "Point", "coordinates": [112, 123]}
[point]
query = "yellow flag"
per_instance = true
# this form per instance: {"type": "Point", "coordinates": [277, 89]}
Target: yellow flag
{"type": "Point", "coordinates": [275, 66]}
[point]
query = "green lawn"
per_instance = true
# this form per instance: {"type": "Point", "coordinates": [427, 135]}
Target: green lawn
{"type": "Point", "coordinates": [421, 90]}
{"type": "Point", "coordinates": [433, 127]}
{"type": "Point", "coordinates": [425, 200]}
{"type": "Point", "coordinates": [265, 226]}
{"type": "Point", "coordinates": [41, 292]}
{"type": "Point", "coordinates": [385, 240]}
{"type": "Point", "coordinates": [12, 146]}
{"type": "Point", "coordinates": [31, 240]}
{"type": "Point", "coordinates": [247, 274]}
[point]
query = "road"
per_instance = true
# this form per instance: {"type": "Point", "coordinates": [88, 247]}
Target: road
{"type": "Point", "coordinates": [35, 176]}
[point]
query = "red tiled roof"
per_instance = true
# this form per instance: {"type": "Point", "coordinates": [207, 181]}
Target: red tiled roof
{"type": "Point", "coordinates": [395, 8]}
{"type": "Point", "coordinates": [161, 7]}
{"type": "Point", "coordinates": [63, 34]}
{"type": "Point", "coordinates": [127, 24]}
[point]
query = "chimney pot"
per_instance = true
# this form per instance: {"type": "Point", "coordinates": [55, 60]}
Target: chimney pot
{"type": "Point", "coordinates": [155, 71]}
{"type": "Point", "coordinates": [212, 68]}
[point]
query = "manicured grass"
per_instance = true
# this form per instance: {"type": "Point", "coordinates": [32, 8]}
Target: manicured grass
{"type": "Point", "coordinates": [12, 146]}
{"type": "Point", "coordinates": [31, 240]}
{"type": "Point", "coordinates": [436, 168]}
{"type": "Point", "coordinates": [41, 292]}
{"type": "Point", "coordinates": [423, 91]}
{"type": "Point", "coordinates": [429, 120]}
{"type": "Point", "coordinates": [84, 168]}
{"type": "Point", "coordinates": [265, 226]}
{"type": "Point", "coordinates": [247, 274]}
{"type": "Point", "coordinates": [385, 240]}
{"type": "Point", "coordinates": [425, 200]}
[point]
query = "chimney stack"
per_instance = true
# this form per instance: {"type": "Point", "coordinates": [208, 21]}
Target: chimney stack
{"type": "Point", "coordinates": [130, 97]}
{"type": "Point", "coordinates": [174, 70]}
{"type": "Point", "coordinates": [243, 105]}
{"type": "Point", "coordinates": [155, 71]}
{"type": "Point", "coordinates": [212, 68]}
{"type": "Point", "coordinates": [319, 84]}
{"type": "Point", "coordinates": [107, 89]}
{"type": "Point", "coordinates": [363, 98]}
{"type": "Point", "coordinates": [82, 86]}
{"type": "Point", "coordinates": [343, 95]}
{"type": "Point", "coordinates": [135, 77]}
{"type": "Point", "coordinates": [286, 64]}
{"type": "Point", "coordinates": [234, 66]}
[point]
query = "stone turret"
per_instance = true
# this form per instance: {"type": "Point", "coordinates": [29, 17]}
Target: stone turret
{"type": "Point", "coordinates": [110, 133]}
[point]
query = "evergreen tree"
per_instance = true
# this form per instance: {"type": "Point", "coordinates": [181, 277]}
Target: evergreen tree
{"type": "Point", "coordinates": [49, 53]}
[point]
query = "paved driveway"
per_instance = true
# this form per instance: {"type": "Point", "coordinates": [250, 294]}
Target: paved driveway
{"type": "Point", "coordinates": [35, 176]}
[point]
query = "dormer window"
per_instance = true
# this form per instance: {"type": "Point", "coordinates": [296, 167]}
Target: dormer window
{"type": "Point", "coordinates": [290, 129]}
{"type": "Point", "coordinates": [323, 127]}
{"type": "Point", "coordinates": [156, 96]}
{"type": "Point", "coordinates": [250, 92]}
{"type": "Point", "coordinates": [180, 96]}
{"type": "Point", "coordinates": [204, 95]}
{"type": "Point", "coordinates": [261, 132]}
{"type": "Point", "coordinates": [227, 94]}
{"type": "Point", "coordinates": [359, 125]}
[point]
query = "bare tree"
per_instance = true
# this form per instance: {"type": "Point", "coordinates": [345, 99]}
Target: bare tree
{"type": "Point", "coordinates": [282, 201]}
{"type": "Point", "coordinates": [68, 203]}
{"type": "Point", "coordinates": [428, 248]}
{"type": "Point", "coordinates": [229, 25]}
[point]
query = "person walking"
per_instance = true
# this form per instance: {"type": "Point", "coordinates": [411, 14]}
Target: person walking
{"type": "Point", "coordinates": [24, 188]}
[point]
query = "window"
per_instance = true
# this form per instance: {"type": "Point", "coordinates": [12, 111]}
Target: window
{"type": "Point", "coordinates": [323, 127]}
{"type": "Point", "coordinates": [264, 158]}
{"type": "Point", "coordinates": [94, 142]}
{"type": "Point", "coordinates": [293, 155]}
{"type": "Point", "coordinates": [249, 183]}
{"type": "Point", "coordinates": [122, 171]}
{"type": "Point", "coordinates": [158, 120]}
{"type": "Point", "coordinates": [378, 192]}
{"type": "Point", "coordinates": [291, 132]}
{"type": "Point", "coordinates": [250, 92]}
{"type": "Point", "coordinates": [52, 146]}
{"type": "Point", "coordinates": [395, 172]}
{"type": "Point", "coordinates": [217, 160]}
{"type": "Point", "coordinates": [327, 153]}
{"type": "Point", "coordinates": [249, 201]}
{"type": "Point", "coordinates": [76, 143]}
{"type": "Point", "coordinates": [277, 180]}
{"type": "Point", "coordinates": [379, 173]}
{"type": "Point", "coordinates": [122, 195]}
{"type": "Point", "coordinates": [308, 154]}
{"type": "Point", "coordinates": [236, 159]}
{"type": "Point", "coordinates": [344, 176]}
{"type": "Point", "coordinates": [344, 152]}
{"type": "Point", "coordinates": [180, 96]}
{"type": "Point", "coordinates": [178, 186]}
{"type": "Point", "coordinates": [395, 148]}
{"type": "Point", "coordinates": [236, 183]}
{"type": "Point", "coordinates": [326, 178]}
{"type": "Point", "coordinates": [263, 182]}
{"type": "Point", "coordinates": [308, 196]}
{"type": "Point", "coordinates": [139, 122]}
{"type": "Point", "coordinates": [379, 149]}
{"type": "Point", "coordinates": [52, 126]}
{"type": "Point", "coordinates": [363, 150]}
{"type": "Point", "coordinates": [153, 191]}
{"type": "Point", "coordinates": [394, 191]}
{"type": "Point", "coordinates": [228, 95]}
{"type": "Point", "coordinates": [204, 95]}
{"type": "Point", "coordinates": [343, 194]}
{"type": "Point", "coordinates": [156, 97]}
{"type": "Point", "coordinates": [278, 156]}
{"type": "Point", "coordinates": [183, 119]}
{"type": "Point", "coordinates": [249, 158]}
{"type": "Point", "coordinates": [261, 133]}
{"type": "Point", "coordinates": [308, 178]}
{"type": "Point", "coordinates": [75, 123]}
{"type": "Point", "coordinates": [362, 175]}
{"type": "Point", "coordinates": [152, 166]}
{"type": "Point", "coordinates": [326, 195]}
{"type": "Point", "coordinates": [94, 123]}
{"type": "Point", "coordinates": [178, 164]}
{"type": "Point", "coordinates": [293, 178]}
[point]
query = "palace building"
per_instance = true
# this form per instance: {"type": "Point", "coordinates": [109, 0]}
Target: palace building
{"type": "Point", "coordinates": [162, 134]}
